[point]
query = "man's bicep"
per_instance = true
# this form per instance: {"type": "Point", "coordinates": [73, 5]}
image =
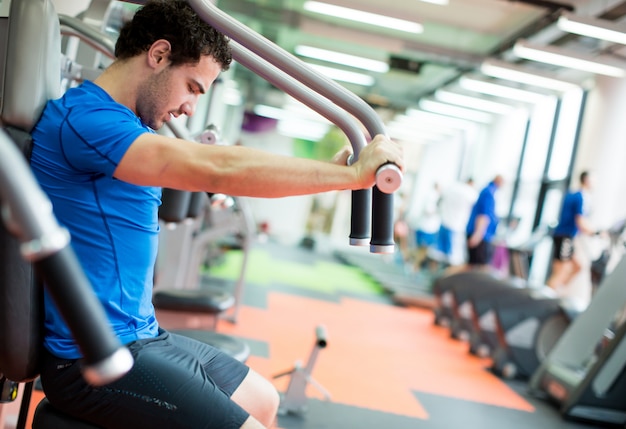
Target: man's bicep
{"type": "Point", "coordinates": [155, 160]}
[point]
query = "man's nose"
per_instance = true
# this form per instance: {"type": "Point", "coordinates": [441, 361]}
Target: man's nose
{"type": "Point", "coordinates": [188, 108]}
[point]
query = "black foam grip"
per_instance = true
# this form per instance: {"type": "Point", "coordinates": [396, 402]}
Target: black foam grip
{"type": "Point", "coordinates": [361, 214]}
{"type": "Point", "coordinates": [382, 218]}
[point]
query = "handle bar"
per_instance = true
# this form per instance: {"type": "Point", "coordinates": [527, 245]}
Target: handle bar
{"type": "Point", "coordinates": [389, 178]}
{"type": "Point", "coordinates": [27, 213]}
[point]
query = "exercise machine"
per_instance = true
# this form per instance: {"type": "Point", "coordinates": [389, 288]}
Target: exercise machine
{"type": "Point", "coordinates": [443, 288]}
{"type": "Point", "coordinates": [294, 399]}
{"type": "Point", "coordinates": [192, 225]}
{"type": "Point", "coordinates": [465, 299]}
{"type": "Point", "coordinates": [527, 330]}
{"type": "Point", "coordinates": [585, 372]}
{"type": "Point", "coordinates": [35, 249]}
{"type": "Point", "coordinates": [34, 22]}
{"type": "Point", "coordinates": [181, 208]}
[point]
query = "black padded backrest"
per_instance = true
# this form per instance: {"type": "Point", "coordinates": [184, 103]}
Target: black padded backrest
{"type": "Point", "coordinates": [30, 65]}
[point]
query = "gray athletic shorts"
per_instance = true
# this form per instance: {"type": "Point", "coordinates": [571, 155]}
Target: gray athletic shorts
{"type": "Point", "coordinates": [176, 382]}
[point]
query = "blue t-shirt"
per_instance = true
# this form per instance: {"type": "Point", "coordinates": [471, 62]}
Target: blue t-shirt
{"type": "Point", "coordinates": [77, 145]}
{"type": "Point", "coordinates": [485, 205]}
{"type": "Point", "coordinates": [573, 206]}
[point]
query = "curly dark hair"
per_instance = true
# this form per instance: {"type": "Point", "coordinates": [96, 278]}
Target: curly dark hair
{"type": "Point", "coordinates": [176, 22]}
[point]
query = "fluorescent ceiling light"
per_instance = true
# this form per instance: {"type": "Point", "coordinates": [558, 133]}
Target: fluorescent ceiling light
{"type": "Point", "coordinates": [431, 118]}
{"type": "Point", "coordinates": [506, 71]}
{"type": "Point", "coordinates": [559, 57]}
{"type": "Point", "coordinates": [364, 17]}
{"type": "Point", "coordinates": [484, 87]}
{"type": "Point", "coordinates": [403, 127]}
{"type": "Point", "coordinates": [341, 58]}
{"type": "Point", "coordinates": [289, 112]}
{"type": "Point", "coordinates": [344, 75]}
{"type": "Point", "coordinates": [302, 129]}
{"type": "Point", "coordinates": [410, 123]}
{"type": "Point", "coordinates": [455, 111]}
{"type": "Point", "coordinates": [269, 111]}
{"type": "Point", "coordinates": [293, 124]}
{"type": "Point", "coordinates": [590, 27]}
{"type": "Point", "coordinates": [472, 102]}
{"type": "Point", "coordinates": [413, 136]}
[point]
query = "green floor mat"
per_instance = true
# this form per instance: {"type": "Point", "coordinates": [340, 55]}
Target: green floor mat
{"type": "Point", "coordinates": [320, 276]}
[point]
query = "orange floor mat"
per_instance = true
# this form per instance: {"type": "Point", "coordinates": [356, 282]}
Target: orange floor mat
{"type": "Point", "coordinates": [377, 354]}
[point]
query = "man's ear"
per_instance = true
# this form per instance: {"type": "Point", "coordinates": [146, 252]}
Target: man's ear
{"type": "Point", "coordinates": [159, 53]}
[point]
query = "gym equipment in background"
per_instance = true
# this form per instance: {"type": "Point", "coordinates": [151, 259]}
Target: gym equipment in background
{"type": "Point", "coordinates": [294, 399]}
{"type": "Point", "coordinates": [443, 292]}
{"type": "Point", "coordinates": [192, 224]}
{"type": "Point", "coordinates": [588, 382]}
{"type": "Point", "coordinates": [467, 309]}
{"type": "Point", "coordinates": [180, 215]}
{"type": "Point", "coordinates": [527, 330]}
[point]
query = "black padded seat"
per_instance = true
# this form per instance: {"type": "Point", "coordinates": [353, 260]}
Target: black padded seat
{"type": "Point", "coordinates": [234, 347]}
{"type": "Point", "coordinates": [48, 417]}
{"type": "Point", "coordinates": [193, 300]}
{"type": "Point", "coordinates": [203, 301]}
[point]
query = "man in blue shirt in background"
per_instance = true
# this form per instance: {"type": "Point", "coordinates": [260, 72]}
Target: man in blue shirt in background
{"type": "Point", "coordinates": [482, 226]}
{"type": "Point", "coordinates": [573, 219]}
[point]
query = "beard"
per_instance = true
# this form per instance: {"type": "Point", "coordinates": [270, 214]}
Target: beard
{"type": "Point", "coordinates": [152, 97]}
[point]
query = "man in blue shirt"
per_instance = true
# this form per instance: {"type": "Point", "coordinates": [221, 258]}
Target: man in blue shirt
{"type": "Point", "coordinates": [97, 156]}
{"type": "Point", "coordinates": [572, 220]}
{"type": "Point", "coordinates": [482, 225]}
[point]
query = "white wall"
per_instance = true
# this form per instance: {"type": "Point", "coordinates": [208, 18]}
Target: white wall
{"type": "Point", "coordinates": [603, 149]}
{"type": "Point", "coordinates": [286, 216]}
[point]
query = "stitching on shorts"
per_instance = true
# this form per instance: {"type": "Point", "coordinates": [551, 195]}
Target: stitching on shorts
{"type": "Point", "coordinates": [147, 399]}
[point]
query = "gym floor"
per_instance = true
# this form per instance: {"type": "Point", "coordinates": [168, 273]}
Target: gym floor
{"type": "Point", "coordinates": [384, 365]}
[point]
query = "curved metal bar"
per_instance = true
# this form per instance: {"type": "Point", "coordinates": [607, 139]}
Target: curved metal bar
{"type": "Point", "coordinates": [28, 215]}
{"type": "Point", "coordinates": [93, 37]}
{"type": "Point", "coordinates": [391, 177]}
{"type": "Point", "coordinates": [359, 225]}
{"type": "Point", "coordinates": [296, 89]}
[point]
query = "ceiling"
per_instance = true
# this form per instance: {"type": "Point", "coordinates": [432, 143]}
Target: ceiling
{"type": "Point", "coordinates": [457, 38]}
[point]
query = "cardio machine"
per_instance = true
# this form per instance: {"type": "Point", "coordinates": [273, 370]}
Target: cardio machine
{"type": "Point", "coordinates": [514, 323]}
{"type": "Point", "coordinates": [584, 374]}
{"type": "Point", "coordinates": [527, 329]}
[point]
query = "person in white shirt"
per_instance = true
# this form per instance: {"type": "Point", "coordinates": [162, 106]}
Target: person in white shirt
{"type": "Point", "coordinates": [455, 206]}
{"type": "Point", "coordinates": [426, 226]}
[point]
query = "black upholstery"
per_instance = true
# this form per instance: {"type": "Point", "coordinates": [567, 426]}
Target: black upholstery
{"type": "Point", "coordinates": [48, 417]}
{"type": "Point", "coordinates": [193, 300]}
{"type": "Point", "coordinates": [29, 80]}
